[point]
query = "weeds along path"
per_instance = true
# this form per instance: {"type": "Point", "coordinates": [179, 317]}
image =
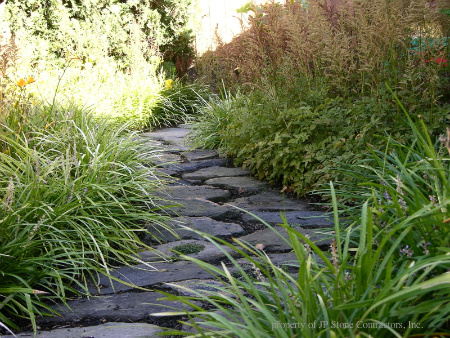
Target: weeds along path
{"type": "Point", "coordinates": [203, 192]}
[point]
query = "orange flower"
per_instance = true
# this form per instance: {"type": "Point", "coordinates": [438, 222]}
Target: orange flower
{"type": "Point", "coordinates": [21, 83]}
{"type": "Point", "coordinates": [30, 79]}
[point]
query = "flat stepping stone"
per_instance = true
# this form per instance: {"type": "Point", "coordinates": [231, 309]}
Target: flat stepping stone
{"type": "Point", "coordinates": [198, 155]}
{"type": "Point", "coordinates": [175, 136]}
{"type": "Point", "coordinates": [124, 307]}
{"type": "Point", "coordinates": [189, 192]}
{"type": "Point", "coordinates": [208, 251]}
{"type": "Point", "coordinates": [269, 201]}
{"type": "Point", "coordinates": [197, 207]}
{"type": "Point", "coordinates": [166, 160]}
{"type": "Point", "coordinates": [240, 184]}
{"type": "Point", "coordinates": [147, 276]}
{"type": "Point", "coordinates": [203, 286]}
{"type": "Point", "coordinates": [193, 166]}
{"type": "Point", "coordinates": [108, 330]}
{"type": "Point", "coordinates": [304, 219]}
{"type": "Point", "coordinates": [182, 226]}
{"type": "Point", "coordinates": [273, 242]}
{"type": "Point", "coordinates": [214, 172]}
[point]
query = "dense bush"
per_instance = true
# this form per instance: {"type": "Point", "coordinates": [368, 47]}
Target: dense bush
{"type": "Point", "coordinates": [93, 31]}
{"type": "Point", "coordinates": [111, 55]}
{"type": "Point", "coordinates": [298, 138]}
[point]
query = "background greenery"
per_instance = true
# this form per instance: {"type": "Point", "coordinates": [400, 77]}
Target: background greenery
{"type": "Point", "coordinates": [311, 87]}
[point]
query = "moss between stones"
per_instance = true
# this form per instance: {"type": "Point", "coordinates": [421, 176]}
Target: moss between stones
{"type": "Point", "coordinates": [187, 249]}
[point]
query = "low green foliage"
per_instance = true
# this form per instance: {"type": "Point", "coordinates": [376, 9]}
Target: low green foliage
{"type": "Point", "coordinates": [400, 181]}
{"type": "Point", "coordinates": [297, 137]}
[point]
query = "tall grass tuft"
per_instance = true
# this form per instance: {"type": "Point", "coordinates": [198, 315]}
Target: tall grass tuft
{"type": "Point", "coordinates": [75, 198]}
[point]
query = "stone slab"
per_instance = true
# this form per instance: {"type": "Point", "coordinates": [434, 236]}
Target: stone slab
{"type": "Point", "coordinates": [145, 276]}
{"type": "Point", "coordinates": [214, 172]}
{"type": "Point", "coordinates": [108, 330]}
{"type": "Point", "coordinates": [304, 219]}
{"type": "Point", "coordinates": [240, 184]}
{"type": "Point", "coordinates": [269, 201]}
{"type": "Point", "coordinates": [193, 166]}
{"type": "Point", "coordinates": [188, 192]}
{"type": "Point", "coordinates": [175, 136]}
{"type": "Point", "coordinates": [210, 252]}
{"type": "Point", "coordinates": [198, 155]}
{"type": "Point", "coordinates": [197, 207]}
{"type": "Point", "coordinates": [183, 225]}
{"type": "Point", "coordinates": [189, 288]}
{"type": "Point", "coordinates": [124, 307]}
{"type": "Point", "coordinates": [166, 160]}
{"type": "Point", "coordinates": [273, 242]}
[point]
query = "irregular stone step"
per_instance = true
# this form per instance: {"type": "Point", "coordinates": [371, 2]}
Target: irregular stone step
{"type": "Point", "coordinates": [197, 207]}
{"type": "Point", "coordinates": [166, 160]}
{"type": "Point", "coordinates": [304, 219]}
{"type": "Point", "coordinates": [241, 184]}
{"type": "Point", "coordinates": [273, 242]}
{"type": "Point", "coordinates": [269, 201]}
{"type": "Point", "coordinates": [196, 165]}
{"type": "Point", "coordinates": [182, 226]}
{"type": "Point", "coordinates": [188, 192]}
{"type": "Point", "coordinates": [214, 172]}
{"type": "Point", "coordinates": [198, 155]}
{"type": "Point", "coordinates": [108, 330]}
{"type": "Point", "coordinates": [124, 307]}
{"type": "Point", "coordinates": [189, 288]}
{"type": "Point", "coordinates": [146, 276]}
{"type": "Point", "coordinates": [209, 252]}
{"type": "Point", "coordinates": [175, 136]}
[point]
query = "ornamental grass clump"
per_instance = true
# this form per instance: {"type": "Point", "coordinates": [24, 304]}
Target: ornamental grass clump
{"type": "Point", "coordinates": [75, 198]}
{"type": "Point", "coordinates": [402, 180]}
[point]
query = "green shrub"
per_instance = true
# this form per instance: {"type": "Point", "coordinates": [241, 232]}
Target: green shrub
{"type": "Point", "coordinates": [402, 180]}
{"type": "Point", "coordinates": [75, 197]}
{"type": "Point", "coordinates": [93, 31]}
{"type": "Point", "coordinates": [298, 137]}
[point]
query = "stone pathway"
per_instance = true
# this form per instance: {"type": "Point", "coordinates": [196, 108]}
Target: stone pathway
{"type": "Point", "coordinates": [202, 190]}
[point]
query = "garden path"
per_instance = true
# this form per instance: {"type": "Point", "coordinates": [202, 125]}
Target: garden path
{"type": "Point", "coordinates": [203, 189]}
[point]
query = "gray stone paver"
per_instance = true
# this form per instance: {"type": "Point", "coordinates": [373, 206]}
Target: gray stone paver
{"type": "Point", "coordinates": [183, 227]}
{"type": "Point", "coordinates": [198, 207]}
{"type": "Point", "coordinates": [188, 192]}
{"type": "Point", "coordinates": [209, 253]}
{"type": "Point", "coordinates": [198, 155]}
{"type": "Point", "coordinates": [304, 219]}
{"type": "Point", "coordinates": [125, 307]}
{"type": "Point", "coordinates": [214, 172]}
{"type": "Point", "coordinates": [108, 330]}
{"type": "Point", "coordinates": [240, 184]}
